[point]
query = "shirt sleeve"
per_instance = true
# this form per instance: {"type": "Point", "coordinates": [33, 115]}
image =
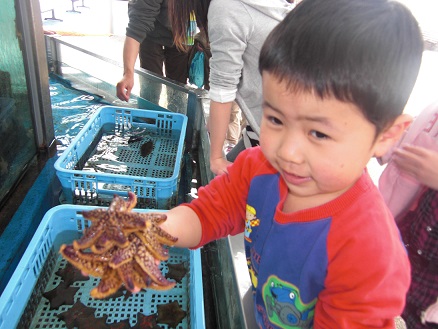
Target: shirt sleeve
{"type": "Point", "coordinates": [142, 15]}
{"type": "Point", "coordinates": [365, 287]}
{"type": "Point", "coordinates": [229, 26]}
{"type": "Point", "coordinates": [221, 205]}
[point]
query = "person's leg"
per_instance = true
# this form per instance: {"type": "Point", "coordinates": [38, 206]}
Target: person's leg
{"type": "Point", "coordinates": [151, 57]}
{"type": "Point", "coordinates": [175, 64]}
{"type": "Point", "coordinates": [233, 132]}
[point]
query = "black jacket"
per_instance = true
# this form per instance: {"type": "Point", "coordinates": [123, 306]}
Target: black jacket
{"type": "Point", "coordinates": [149, 18]}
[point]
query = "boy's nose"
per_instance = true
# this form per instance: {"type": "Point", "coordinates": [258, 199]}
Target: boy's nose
{"type": "Point", "coordinates": [291, 150]}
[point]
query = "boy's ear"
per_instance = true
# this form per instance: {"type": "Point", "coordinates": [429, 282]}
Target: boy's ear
{"type": "Point", "coordinates": [391, 135]}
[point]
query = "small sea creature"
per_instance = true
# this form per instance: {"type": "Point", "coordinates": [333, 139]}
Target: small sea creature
{"type": "Point", "coordinates": [171, 314]}
{"type": "Point", "coordinates": [134, 138]}
{"type": "Point", "coordinates": [81, 316]}
{"type": "Point", "coordinates": [146, 148]}
{"type": "Point", "coordinates": [70, 274]}
{"type": "Point", "coordinates": [61, 295]}
{"type": "Point", "coordinates": [176, 272]}
{"type": "Point", "coordinates": [123, 324]}
{"type": "Point", "coordinates": [146, 321]}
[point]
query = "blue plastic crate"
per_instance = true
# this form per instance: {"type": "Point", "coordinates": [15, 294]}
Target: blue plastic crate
{"type": "Point", "coordinates": [22, 304]}
{"type": "Point", "coordinates": [153, 178]}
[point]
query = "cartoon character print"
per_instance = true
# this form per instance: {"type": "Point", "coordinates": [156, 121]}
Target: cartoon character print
{"type": "Point", "coordinates": [252, 273]}
{"type": "Point", "coordinates": [284, 305]}
{"type": "Point", "coordinates": [250, 222]}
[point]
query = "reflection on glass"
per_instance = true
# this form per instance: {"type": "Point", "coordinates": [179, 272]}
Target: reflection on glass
{"type": "Point", "coordinates": [98, 75]}
{"type": "Point", "coordinates": [17, 141]}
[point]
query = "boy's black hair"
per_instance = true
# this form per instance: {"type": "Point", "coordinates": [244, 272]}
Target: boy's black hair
{"type": "Point", "coordinates": [367, 52]}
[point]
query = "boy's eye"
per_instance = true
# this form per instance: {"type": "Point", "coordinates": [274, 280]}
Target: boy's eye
{"type": "Point", "coordinates": [318, 135]}
{"type": "Point", "coordinates": [274, 120]}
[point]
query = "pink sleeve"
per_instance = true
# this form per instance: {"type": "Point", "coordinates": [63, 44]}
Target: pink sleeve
{"type": "Point", "coordinates": [400, 191]}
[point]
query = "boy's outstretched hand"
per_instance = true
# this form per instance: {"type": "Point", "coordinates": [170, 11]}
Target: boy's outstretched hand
{"type": "Point", "coordinates": [418, 162]}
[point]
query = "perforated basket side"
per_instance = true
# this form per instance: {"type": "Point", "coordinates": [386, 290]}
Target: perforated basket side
{"type": "Point", "coordinates": [20, 286]}
{"type": "Point", "coordinates": [153, 178]}
{"type": "Point", "coordinates": [22, 303]}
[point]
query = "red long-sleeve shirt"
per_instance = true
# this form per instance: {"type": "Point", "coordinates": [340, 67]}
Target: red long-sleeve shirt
{"type": "Point", "coordinates": [338, 265]}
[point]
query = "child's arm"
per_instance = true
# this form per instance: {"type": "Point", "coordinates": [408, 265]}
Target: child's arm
{"type": "Point", "coordinates": [369, 272]}
{"type": "Point", "coordinates": [183, 223]}
{"type": "Point", "coordinates": [219, 210]}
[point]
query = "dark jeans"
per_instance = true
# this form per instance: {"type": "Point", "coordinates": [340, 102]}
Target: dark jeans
{"type": "Point", "coordinates": [152, 58]}
{"type": "Point", "coordinates": [153, 55]}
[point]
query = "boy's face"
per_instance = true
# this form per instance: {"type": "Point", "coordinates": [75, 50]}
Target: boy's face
{"type": "Point", "coordinates": [320, 147]}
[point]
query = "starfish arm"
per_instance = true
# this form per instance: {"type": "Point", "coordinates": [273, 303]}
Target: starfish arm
{"type": "Point", "coordinates": [117, 204]}
{"type": "Point", "coordinates": [108, 285]}
{"type": "Point", "coordinates": [154, 247]}
{"type": "Point", "coordinates": [139, 277]}
{"type": "Point", "coordinates": [103, 244]}
{"type": "Point", "coordinates": [92, 257]}
{"type": "Point", "coordinates": [130, 221]}
{"type": "Point", "coordinates": [148, 264]}
{"type": "Point", "coordinates": [123, 255]}
{"type": "Point", "coordinates": [155, 218]}
{"type": "Point", "coordinates": [131, 202]}
{"type": "Point", "coordinates": [92, 233]}
{"type": "Point", "coordinates": [94, 215]}
{"type": "Point", "coordinates": [126, 274]}
{"type": "Point", "coordinates": [117, 236]}
{"type": "Point", "coordinates": [95, 268]}
{"type": "Point", "coordinates": [162, 236]}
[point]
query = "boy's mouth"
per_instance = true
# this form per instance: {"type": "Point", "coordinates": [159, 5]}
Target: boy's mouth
{"type": "Point", "coordinates": [295, 179]}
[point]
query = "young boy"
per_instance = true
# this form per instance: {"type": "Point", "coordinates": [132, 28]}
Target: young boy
{"type": "Point", "coordinates": [323, 249]}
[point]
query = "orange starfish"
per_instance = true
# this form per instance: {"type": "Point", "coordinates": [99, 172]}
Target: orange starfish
{"type": "Point", "coordinates": [122, 248]}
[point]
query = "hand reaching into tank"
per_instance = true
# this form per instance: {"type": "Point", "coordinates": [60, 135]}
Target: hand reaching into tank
{"type": "Point", "coordinates": [124, 87]}
{"type": "Point", "coordinates": [130, 54]}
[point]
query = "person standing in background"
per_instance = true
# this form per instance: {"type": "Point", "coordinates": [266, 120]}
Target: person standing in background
{"type": "Point", "coordinates": [234, 128]}
{"type": "Point", "coordinates": [201, 44]}
{"type": "Point", "coordinates": [236, 30]}
{"type": "Point", "coordinates": [150, 37]}
{"type": "Point", "coordinates": [409, 185]}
